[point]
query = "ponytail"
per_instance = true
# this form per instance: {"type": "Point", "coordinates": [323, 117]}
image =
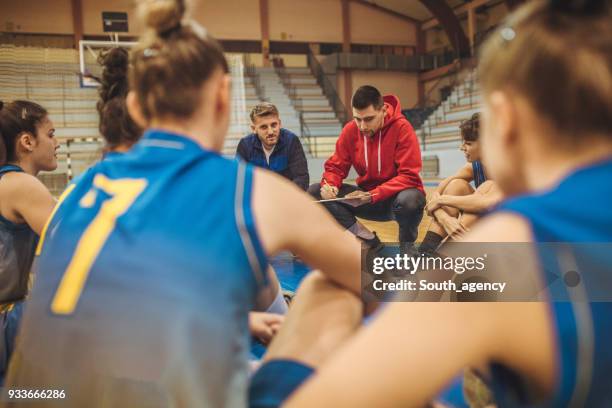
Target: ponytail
{"type": "Point", "coordinates": [116, 125]}
{"type": "Point", "coordinates": [172, 61]}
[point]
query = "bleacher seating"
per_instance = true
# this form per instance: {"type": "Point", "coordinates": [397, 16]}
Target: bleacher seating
{"type": "Point", "coordinates": [51, 77]}
{"type": "Point", "coordinates": [441, 129]}
{"type": "Point", "coordinates": [237, 131]}
{"type": "Point", "coordinates": [321, 124]}
{"type": "Point", "coordinates": [440, 134]}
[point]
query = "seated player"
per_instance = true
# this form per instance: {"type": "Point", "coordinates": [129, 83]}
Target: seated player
{"type": "Point", "coordinates": [27, 146]}
{"type": "Point", "coordinates": [382, 147]}
{"type": "Point", "coordinates": [455, 205]}
{"type": "Point", "coordinates": [145, 284]}
{"type": "Point", "coordinates": [274, 148]}
{"type": "Point", "coordinates": [545, 145]}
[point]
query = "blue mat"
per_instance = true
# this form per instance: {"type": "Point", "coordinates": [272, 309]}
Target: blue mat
{"type": "Point", "coordinates": [290, 270]}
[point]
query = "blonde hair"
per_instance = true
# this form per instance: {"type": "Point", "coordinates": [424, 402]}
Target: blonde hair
{"type": "Point", "coordinates": [558, 56]}
{"type": "Point", "coordinates": [174, 58]}
{"type": "Point", "coordinates": [263, 109]}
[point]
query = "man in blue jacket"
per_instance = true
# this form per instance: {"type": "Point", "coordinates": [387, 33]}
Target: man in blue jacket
{"type": "Point", "coordinates": [274, 148]}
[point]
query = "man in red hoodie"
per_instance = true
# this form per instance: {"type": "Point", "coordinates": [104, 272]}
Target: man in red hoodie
{"type": "Point", "coordinates": [381, 145]}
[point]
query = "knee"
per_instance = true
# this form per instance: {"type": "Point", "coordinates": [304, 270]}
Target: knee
{"type": "Point", "coordinates": [410, 201]}
{"type": "Point", "coordinates": [458, 187]}
{"type": "Point", "coordinates": [319, 285]}
{"type": "Point", "coordinates": [313, 281]}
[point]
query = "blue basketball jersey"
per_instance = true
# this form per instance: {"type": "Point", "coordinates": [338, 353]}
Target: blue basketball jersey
{"type": "Point", "coordinates": [147, 273]}
{"type": "Point", "coordinates": [479, 174]}
{"type": "Point", "coordinates": [576, 211]}
{"type": "Point", "coordinates": [17, 244]}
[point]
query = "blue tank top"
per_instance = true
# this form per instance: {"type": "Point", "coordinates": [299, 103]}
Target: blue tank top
{"type": "Point", "coordinates": [479, 174]}
{"type": "Point", "coordinates": [146, 277]}
{"type": "Point", "coordinates": [583, 329]}
{"type": "Point", "coordinates": [17, 245]}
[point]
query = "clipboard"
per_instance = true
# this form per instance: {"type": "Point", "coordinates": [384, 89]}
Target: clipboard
{"type": "Point", "coordinates": [340, 199]}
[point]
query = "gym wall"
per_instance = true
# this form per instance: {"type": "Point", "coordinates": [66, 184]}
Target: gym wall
{"type": "Point", "coordinates": [312, 21]}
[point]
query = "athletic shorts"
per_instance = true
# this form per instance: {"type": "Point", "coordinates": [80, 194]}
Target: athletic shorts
{"type": "Point", "coordinates": [275, 381]}
{"type": "Point", "coordinates": [9, 323]}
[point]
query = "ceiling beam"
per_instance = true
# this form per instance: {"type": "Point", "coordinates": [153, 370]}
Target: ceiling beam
{"type": "Point", "coordinates": [512, 4]}
{"type": "Point", "coordinates": [77, 21]}
{"type": "Point", "coordinates": [385, 10]}
{"type": "Point", "coordinates": [264, 17]}
{"type": "Point", "coordinates": [458, 11]}
{"type": "Point", "coordinates": [443, 13]}
{"type": "Point", "coordinates": [346, 26]}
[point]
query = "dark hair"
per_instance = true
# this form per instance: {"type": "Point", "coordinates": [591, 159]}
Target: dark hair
{"type": "Point", "coordinates": [15, 118]}
{"type": "Point", "coordinates": [578, 7]}
{"type": "Point", "coordinates": [558, 56]}
{"type": "Point", "coordinates": [174, 58]}
{"type": "Point", "coordinates": [365, 96]}
{"type": "Point", "coordinates": [470, 129]}
{"type": "Point", "coordinates": [116, 125]}
{"type": "Point", "coordinates": [263, 109]}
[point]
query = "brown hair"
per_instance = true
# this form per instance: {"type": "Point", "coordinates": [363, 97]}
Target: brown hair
{"type": "Point", "coordinates": [263, 109]}
{"type": "Point", "coordinates": [174, 58]}
{"type": "Point", "coordinates": [558, 56]}
{"type": "Point", "coordinates": [470, 129]}
{"type": "Point", "coordinates": [116, 125]}
{"type": "Point", "coordinates": [15, 118]}
{"type": "Point", "coordinates": [365, 96]}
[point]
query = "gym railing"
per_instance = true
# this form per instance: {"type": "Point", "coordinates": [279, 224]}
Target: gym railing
{"type": "Point", "coordinates": [329, 90]}
{"type": "Point", "coordinates": [251, 71]}
{"type": "Point", "coordinates": [431, 106]}
{"type": "Point", "coordinates": [312, 143]}
{"type": "Point", "coordinates": [308, 139]}
{"type": "Point", "coordinates": [469, 86]}
{"type": "Point", "coordinates": [306, 135]}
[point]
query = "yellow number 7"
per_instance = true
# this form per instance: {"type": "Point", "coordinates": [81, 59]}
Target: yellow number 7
{"type": "Point", "coordinates": [124, 192]}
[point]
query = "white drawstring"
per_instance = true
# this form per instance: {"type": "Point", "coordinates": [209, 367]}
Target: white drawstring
{"type": "Point", "coordinates": [365, 150]}
{"type": "Point", "coordinates": [379, 139]}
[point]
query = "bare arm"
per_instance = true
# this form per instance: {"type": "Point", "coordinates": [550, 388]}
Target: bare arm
{"type": "Point", "coordinates": [30, 201]}
{"type": "Point", "coordinates": [412, 350]}
{"type": "Point", "coordinates": [288, 219]}
{"type": "Point", "coordinates": [484, 198]}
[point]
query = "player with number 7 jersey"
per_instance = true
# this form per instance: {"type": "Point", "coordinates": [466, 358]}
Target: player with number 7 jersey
{"type": "Point", "coordinates": [152, 262]}
{"type": "Point", "coordinates": [118, 242]}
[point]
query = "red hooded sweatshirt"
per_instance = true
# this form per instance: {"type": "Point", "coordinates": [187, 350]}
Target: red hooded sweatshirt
{"type": "Point", "coordinates": [387, 163]}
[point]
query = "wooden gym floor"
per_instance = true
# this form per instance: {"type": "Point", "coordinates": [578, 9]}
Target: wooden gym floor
{"type": "Point", "coordinates": [387, 231]}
